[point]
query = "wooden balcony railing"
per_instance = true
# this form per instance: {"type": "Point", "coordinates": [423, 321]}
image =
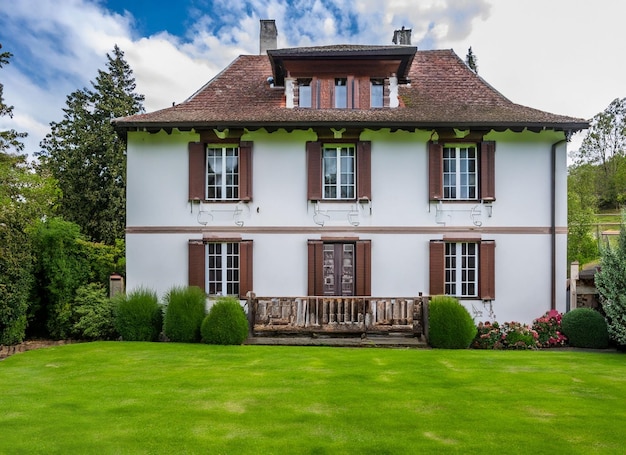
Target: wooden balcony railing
{"type": "Point", "coordinates": [337, 315]}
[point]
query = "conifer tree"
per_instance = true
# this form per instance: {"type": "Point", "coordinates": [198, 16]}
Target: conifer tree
{"type": "Point", "coordinates": [88, 158]}
{"type": "Point", "coordinates": [611, 284]}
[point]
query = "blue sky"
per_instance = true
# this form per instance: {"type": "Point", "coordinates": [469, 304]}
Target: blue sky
{"type": "Point", "coordinates": [561, 56]}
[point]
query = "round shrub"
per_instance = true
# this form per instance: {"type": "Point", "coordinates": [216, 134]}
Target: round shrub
{"type": "Point", "coordinates": [450, 325]}
{"type": "Point", "coordinates": [585, 328]}
{"type": "Point", "coordinates": [184, 314]}
{"type": "Point", "coordinates": [138, 316]}
{"type": "Point", "coordinates": [226, 323]}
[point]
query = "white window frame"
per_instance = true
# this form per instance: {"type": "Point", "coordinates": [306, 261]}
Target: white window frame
{"type": "Point", "coordinates": [341, 93]}
{"type": "Point", "coordinates": [460, 172]}
{"type": "Point", "coordinates": [305, 93]}
{"type": "Point", "coordinates": [344, 177]}
{"type": "Point", "coordinates": [461, 269]}
{"type": "Point", "coordinates": [377, 96]}
{"type": "Point", "coordinates": [222, 273]}
{"type": "Point", "coordinates": [219, 164]}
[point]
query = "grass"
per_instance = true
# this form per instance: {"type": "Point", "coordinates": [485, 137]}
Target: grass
{"type": "Point", "coordinates": [153, 398]}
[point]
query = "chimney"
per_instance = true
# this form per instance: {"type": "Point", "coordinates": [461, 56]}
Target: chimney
{"type": "Point", "coordinates": [402, 37]}
{"type": "Point", "coordinates": [268, 36]}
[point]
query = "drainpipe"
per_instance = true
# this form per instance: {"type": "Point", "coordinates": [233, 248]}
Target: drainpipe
{"type": "Point", "coordinates": [553, 219]}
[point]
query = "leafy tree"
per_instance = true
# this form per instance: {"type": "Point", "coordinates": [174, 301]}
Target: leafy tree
{"type": "Point", "coordinates": [471, 60]}
{"type": "Point", "coordinates": [10, 138]}
{"type": "Point", "coordinates": [24, 198]}
{"type": "Point", "coordinates": [605, 148]}
{"type": "Point", "coordinates": [581, 207]}
{"type": "Point", "coordinates": [88, 158]}
{"type": "Point", "coordinates": [611, 284]}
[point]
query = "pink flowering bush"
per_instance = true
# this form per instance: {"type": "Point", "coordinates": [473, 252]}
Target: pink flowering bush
{"type": "Point", "coordinates": [488, 336]}
{"type": "Point", "coordinates": [510, 335]}
{"type": "Point", "coordinates": [548, 327]}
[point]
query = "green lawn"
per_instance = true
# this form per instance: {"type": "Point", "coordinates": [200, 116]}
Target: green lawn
{"type": "Point", "coordinates": [167, 398]}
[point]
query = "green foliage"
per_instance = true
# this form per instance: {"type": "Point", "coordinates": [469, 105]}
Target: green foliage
{"type": "Point", "coordinates": [25, 197]}
{"type": "Point", "coordinates": [611, 284]}
{"type": "Point", "coordinates": [94, 313]}
{"type": "Point", "coordinates": [510, 335]}
{"type": "Point", "coordinates": [88, 158]}
{"type": "Point", "coordinates": [450, 325]}
{"type": "Point", "coordinates": [581, 208]}
{"type": "Point", "coordinates": [604, 148]}
{"type": "Point", "coordinates": [8, 138]}
{"type": "Point", "coordinates": [184, 314]}
{"type": "Point", "coordinates": [585, 328]}
{"type": "Point", "coordinates": [61, 268]}
{"type": "Point", "coordinates": [226, 323]}
{"type": "Point", "coordinates": [138, 316]}
{"type": "Point", "coordinates": [548, 328]}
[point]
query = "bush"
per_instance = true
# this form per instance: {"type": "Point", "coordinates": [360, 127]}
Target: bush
{"type": "Point", "coordinates": [94, 312]}
{"type": "Point", "coordinates": [585, 328]}
{"type": "Point", "coordinates": [226, 323]}
{"type": "Point", "coordinates": [518, 336]}
{"type": "Point", "coordinates": [450, 325]}
{"type": "Point", "coordinates": [548, 328]}
{"type": "Point", "coordinates": [510, 335]}
{"type": "Point", "coordinates": [138, 316]}
{"type": "Point", "coordinates": [488, 336]}
{"type": "Point", "coordinates": [184, 314]}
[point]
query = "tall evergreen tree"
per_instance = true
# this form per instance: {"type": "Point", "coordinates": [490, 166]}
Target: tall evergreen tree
{"type": "Point", "coordinates": [88, 158]}
{"type": "Point", "coordinates": [611, 283]}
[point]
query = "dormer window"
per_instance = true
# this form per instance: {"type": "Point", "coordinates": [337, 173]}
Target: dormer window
{"type": "Point", "coordinates": [304, 93]}
{"type": "Point", "coordinates": [341, 92]}
{"type": "Point", "coordinates": [377, 92]}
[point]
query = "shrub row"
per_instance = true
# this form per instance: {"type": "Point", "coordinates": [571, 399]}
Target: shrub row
{"type": "Point", "coordinates": [138, 316]}
{"type": "Point", "coordinates": [451, 327]}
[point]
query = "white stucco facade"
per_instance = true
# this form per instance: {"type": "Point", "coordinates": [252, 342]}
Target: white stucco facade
{"type": "Point", "coordinates": [400, 221]}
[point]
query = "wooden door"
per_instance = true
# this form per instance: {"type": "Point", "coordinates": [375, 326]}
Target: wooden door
{"type": "Point", "coordinates": [338, 271]}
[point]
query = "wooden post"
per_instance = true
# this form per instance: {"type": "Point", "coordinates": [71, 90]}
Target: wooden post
{"type": "Point", "coordinates": [573, 277]}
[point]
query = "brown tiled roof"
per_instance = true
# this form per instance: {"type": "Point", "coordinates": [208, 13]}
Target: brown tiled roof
{"type": "Point", "coordinates": [443, 92]}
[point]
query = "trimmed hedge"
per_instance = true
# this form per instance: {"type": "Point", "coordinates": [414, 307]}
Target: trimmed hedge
{"type": "Point", "coordinates": [585, 328]}
{"type": "Point", "coordinates": [184, 314]}
{"type": "Point", "coordinates": [450, 326]}
{"type": "Point", "coordinates": [138, 316]}
{"type": "Point", "coordinates": [226, 323]}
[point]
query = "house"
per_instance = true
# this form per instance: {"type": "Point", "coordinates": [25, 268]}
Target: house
{"type": "Point", "coordinates": [378, 172]}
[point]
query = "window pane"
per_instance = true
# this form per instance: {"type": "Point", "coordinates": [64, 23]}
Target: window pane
{"type": "Point", "coordinates": [304, 93]}
{"type": "Point", "coordinates": [339, 172]}
{"type": "Point", "coordinates": [222, 173]}
{"type": "Point", "coordinates": [341, 93]}
{"type": "Point", "coordinates": [376, 93]}
{"type": "Point", "coordinates": [223, 268]}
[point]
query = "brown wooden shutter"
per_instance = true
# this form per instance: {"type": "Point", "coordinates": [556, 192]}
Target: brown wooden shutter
{"type": "Point", "coordinates": [364, 170]}
{"type": "Point", "coordinates": [487, 171]}
{"type": "Point", "coordinates": [363, 272]}
{"type": "Point", "coordinates": [356, 95]}
{"type": "Point", "coordinates": [437, 267]}
{"type": "Point", "coordinates": [314, 170]}
{"type": "Point", "coordinates": [245, 171]}
{"type": "Point", "coordinates": [315, 86]}
{"type": "Point", "coordinates": [435, 171]}
{"type": "Point", "coordinates": [245, 268]}
{"type": "Point", "coordinates": [487, 270]}
{"type": "Point", "coordinates": [196, 265]}
{"type": "Point", "coordinates": [315, 267]}
{"type": "Point", "coordinates": [197, 180]}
